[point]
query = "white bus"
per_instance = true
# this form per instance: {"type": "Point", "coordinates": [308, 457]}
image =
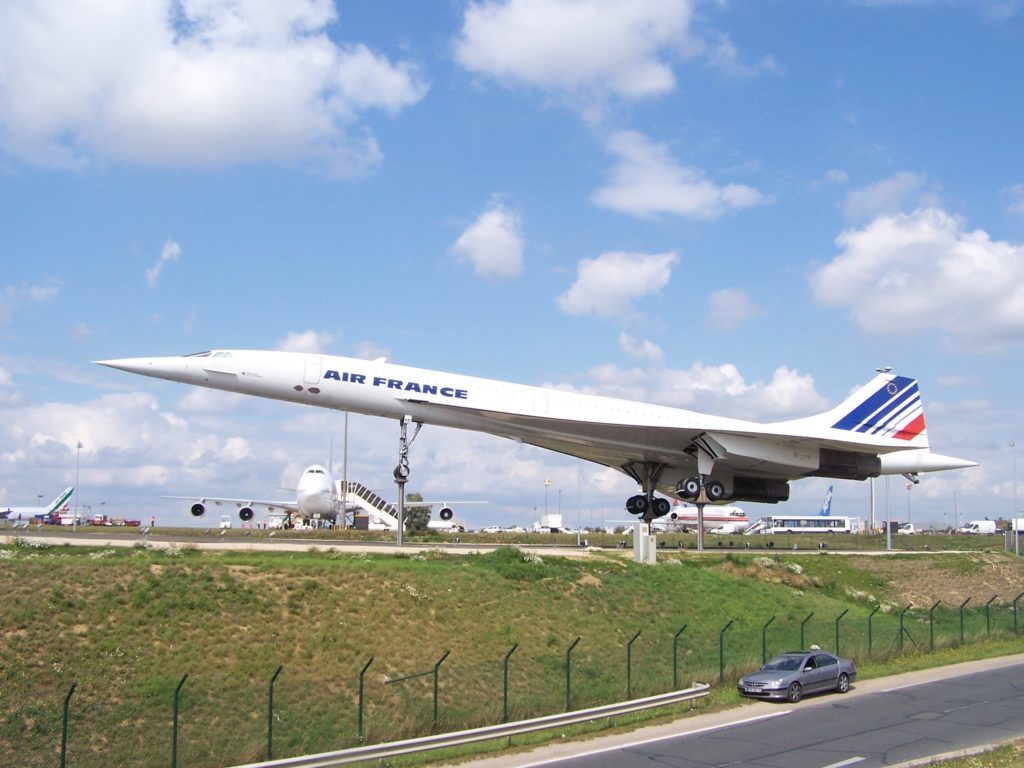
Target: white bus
{"type": "Point", "coordinates": [802, 524]}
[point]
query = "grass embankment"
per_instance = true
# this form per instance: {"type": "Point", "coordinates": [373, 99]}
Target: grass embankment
{"type": "Point", "coordinates": [127, 625]}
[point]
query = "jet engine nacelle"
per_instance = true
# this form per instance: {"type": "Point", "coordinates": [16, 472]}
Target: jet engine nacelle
{"type": "Point", "coordinates": [446, 513]}
{"type": "Point", "coordinates": [245, 514]}
{"type": "Point", "coordinates": [198, 510]}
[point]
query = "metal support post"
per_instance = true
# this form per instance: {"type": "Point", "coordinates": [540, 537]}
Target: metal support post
{"type": "Point", "coordinates": [436, 668]}
{"type": "Point", "coordinates": [965, 602]}
{"type": "Point", "coordinates": [838, 619]}
{"type": "Point", "coordinates": [902, 630]}
{"type": "Point", "coordinates": [764, 640]}
{"type": "Point", "coordinates": [362, 673]}
{"type": "Point", "coordinates": [931, 626]}
{"type": "Point", "coordinates": [174, 727]}
{"type": "Point", "coordinates": [402, 471]}
{"type": "Point", "coordinates": [504, 695]}
{"type": "Point", "coordinates": [568, 674]}
{"type": "Point", "coordinates": [629, 665]}
{"type": "Point", "coordinates": [675, 657]}
{"type": "Point", "coordinates": [803, 645]}
{"type": "Point", "coordinates": [721, 651]}
{"type": "Point", "coordinates": [870, 616]}
{"type": "Point", "coordinates": [1018, 597]}
{"type": "Point", "coordinates": [270, 714]}
{"type": "Point", "coordinates": [988, 621]}
{"type": "Point", "coordinates": [64, 727]}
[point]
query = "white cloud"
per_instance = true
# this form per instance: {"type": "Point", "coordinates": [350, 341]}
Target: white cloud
{"type": "Point", "coordinates": [646, 180]}
{"type": "Point", "coordinates": [1015, 199]}
{"type": "Point", "coordinates": [199, 82]}
{"type": "Point", "coordinates": [609, 284]}
{"type": "Point", "coordinates": [729, 308]}
{"type": "Point", "coordinates": [640, 349]}
{"type": "Point", "coordinates": [13, 297]}
{"type": "Point", "coordinates": [907, 273]}
{"type": "Point", "coordinates": [493, 244]}
{"type": "Point", "coordinates": [309, 341]}
{"type": "Point", "coordinates": [170, 252]}
{"type": "Point", "coordinates": [577, 45]}
{"type": "Point", "coordinates": [899, 192]}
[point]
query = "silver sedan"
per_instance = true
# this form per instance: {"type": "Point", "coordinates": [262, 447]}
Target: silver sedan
{"type": "Point", "coordinates": [789, 676]}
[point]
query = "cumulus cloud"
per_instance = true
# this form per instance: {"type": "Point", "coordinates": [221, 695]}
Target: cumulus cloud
{"type": "Point", "coordinates": [718, 389]}
{"type": "Point", "coordinates": [729, 308]}
{"type": "Point", "coordinates": [646, 181]}
{"type": "Point", "coordinates": [577, 45]}
{"type": "Point", "coordinates": [609, 284]}
{"type": "Point", "coordinates": [198, 82]}
{"type": "Point", "coordinates": [493, 244]}
{"type": "Point", "coordinates": [170, 252]}
{"type": "Point", "coordinates": [16, 296]}
{"type": "Point", "coordinates": [906, 273]}
{"type": "Point", "coordinates": [897, 193]}
{"type": "Point", "coordinates": [306, 341]}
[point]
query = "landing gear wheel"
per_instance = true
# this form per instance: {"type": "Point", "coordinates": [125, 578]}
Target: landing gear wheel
{"type": "Point", "coordinates": [689, 488]}
{"type": "Point", "coordinates": [794, 693]}
{"type": "Point", "coordinates": [636, 505]}
{"type": "Point", "coordinates": [662, 507]}
{"type": "Point", "coordinates": [715, 491]}
{"type": "Point", "coordinates": [401, 473]}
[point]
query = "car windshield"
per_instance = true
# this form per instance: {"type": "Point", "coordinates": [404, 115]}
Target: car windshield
{"type": "Point", "coordinates": [784, 663]}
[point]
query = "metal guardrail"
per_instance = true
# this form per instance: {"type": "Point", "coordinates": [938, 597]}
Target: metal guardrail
{"type": "Point", "coordinates": [457, 738]}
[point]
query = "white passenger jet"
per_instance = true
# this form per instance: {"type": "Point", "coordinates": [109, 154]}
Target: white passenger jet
{"type": "Point", "coordinates": [316, 498]}
{"type": "Point", "coordinates": [13, 514]}
{"type": "Point", "coordinates": [879, 430]}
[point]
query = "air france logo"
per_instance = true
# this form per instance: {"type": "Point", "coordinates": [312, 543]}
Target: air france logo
{"type": "Point", "coordinates": [398, 384]}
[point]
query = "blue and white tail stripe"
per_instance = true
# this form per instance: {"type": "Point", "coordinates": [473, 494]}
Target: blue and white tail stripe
{"type": "Point", "coordinates": [894, 410]}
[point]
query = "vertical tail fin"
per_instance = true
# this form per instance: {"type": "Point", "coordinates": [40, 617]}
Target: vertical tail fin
{"type": "Point", "coordinates": [58, 502]}
{"type": "Point", "coordinates": [889, 407]}
{"type": "Point", "coordinates": [826, 505]}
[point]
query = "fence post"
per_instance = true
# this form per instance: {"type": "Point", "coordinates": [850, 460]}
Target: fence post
{"type": "Point", "coordinates": [504, 695]}
{"type": "Point", "coordinates": [362, 673]}
{"type": "Point", "coordinates": [838, 619]}
{"type": "Point", "coordinates": [1018, 597]}
{"type": "Point", "coordinates": [436, 668]}
{"type": "Point", "coordinates": [902, 614]}
{"type": "Point", "coordinates": [629, 666]}
{"type": "Point", "coordinates": [64, 728]}
{"type": "Point", "coordinates": [965, 602]}
{"type": "Point", "coordinates": [174, 727]}
{"type": "Point", "coordinates": [931, 626]}
{"type": "Point", "coordinates": [802, 625]}
{"type": "Point", "coordinates": [870, 616]}
{"type": "Point", "coordinates": [988, 623]}
{"type": "Point", "coordinates": [721, 651]}
{"type": "Point", "coordinates": [675, 660]}
{"type": "Point", "coordinates": [568, 671]}
{"type": "Point", "coordinates": [270, 714]}
{"type": "Point", "coordinates": [764, 640]}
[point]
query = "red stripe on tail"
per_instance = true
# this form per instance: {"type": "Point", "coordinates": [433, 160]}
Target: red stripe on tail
{"type": "Point", "coordinates": [912, 430]}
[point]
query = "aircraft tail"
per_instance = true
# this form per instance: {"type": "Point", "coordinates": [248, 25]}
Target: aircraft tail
{"type": "Point", "coordinates": [58, 502]}
{"type": "Point", "coordinates": [888, 407]}
{"type": "Point", "coordinates": [826, 505]}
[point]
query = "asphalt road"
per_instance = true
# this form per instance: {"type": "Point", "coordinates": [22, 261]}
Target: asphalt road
{"type": "Point", "coordinates": [896, 721]}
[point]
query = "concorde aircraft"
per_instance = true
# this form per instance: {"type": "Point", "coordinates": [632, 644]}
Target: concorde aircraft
{"type": "Point", "coordinates": [880, 429]}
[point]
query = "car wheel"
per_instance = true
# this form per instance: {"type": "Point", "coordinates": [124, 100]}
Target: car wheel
{"type": "Point", "coordinates": [794, 692]}
{"type": "Point", "coordinates": [843, 685]}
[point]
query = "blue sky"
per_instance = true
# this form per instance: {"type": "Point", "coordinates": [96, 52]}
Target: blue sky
{"type": "Point", "coordinates": [739, 208]}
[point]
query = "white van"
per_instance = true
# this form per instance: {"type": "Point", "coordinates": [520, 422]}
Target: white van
{"type": "Point", "coordinates": [980, 527]}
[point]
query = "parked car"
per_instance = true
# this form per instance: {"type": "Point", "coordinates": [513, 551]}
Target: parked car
{"type": "Point", "coordinates": [789, 676]}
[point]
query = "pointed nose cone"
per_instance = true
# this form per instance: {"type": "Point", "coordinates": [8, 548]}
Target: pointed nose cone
{"type": "Point", "coordinates": [171, 368]}
{"type": "Point", "coordinates": [131, 364]}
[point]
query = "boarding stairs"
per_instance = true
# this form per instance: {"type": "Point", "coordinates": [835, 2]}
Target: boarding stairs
{"type": "Point", "coordinates": [383, 512]}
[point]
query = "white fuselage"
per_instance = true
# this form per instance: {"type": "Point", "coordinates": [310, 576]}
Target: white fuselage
{"type": "Point", "coordinates": [317, 496]}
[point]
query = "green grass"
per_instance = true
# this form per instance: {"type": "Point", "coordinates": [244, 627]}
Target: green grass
{"type": "Point", "coordinates": [127, 624]}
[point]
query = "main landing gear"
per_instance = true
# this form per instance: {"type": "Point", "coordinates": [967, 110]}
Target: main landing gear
{"type": "Point", "coordinates": [402, 470]}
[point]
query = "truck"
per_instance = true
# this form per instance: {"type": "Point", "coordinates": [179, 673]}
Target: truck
{"type": "Point", "coordinates": [979, 527]}
{"type": "Point", "coordinates": [907, 529]}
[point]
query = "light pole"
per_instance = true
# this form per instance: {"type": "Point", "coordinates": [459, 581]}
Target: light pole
{"type": "Point", "coordinates": [910, 486]}
{"type": "Point", "coordinates": [78, 453]}
{"type": "Point", "coordinates": [547, 484]}
{"type": "Point", "coordinates": [1013, 518]}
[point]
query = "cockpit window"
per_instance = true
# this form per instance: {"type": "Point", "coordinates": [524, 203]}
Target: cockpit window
{"type": "Point", "coordinates": [221, 354]}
